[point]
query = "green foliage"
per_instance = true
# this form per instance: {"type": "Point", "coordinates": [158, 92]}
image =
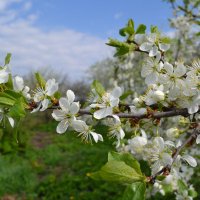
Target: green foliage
{"type": "Point", "coordinates": [7, 58]}
{"type": "Point", "coordinates": [98, 87]}
{"type": "Point", "coordinates": [121, 168]}
{"type": "Point", "coordinates": [128, 30]}
{"type": "Point", "coordinates": [17, 111]}
{"type": "Point", "coordinates": [125, 95]}
{"type": "Point", "coordinates": [127, 158]}
{"type": "Point", "coordinates": [154, 29]}
{"type": "Point", "coordinates": [117, 171]}
{"type": "Point", "coordinates": [41, 81]}
{"type": "Point", "coordinates": [135, 191]}
{"type": "Point", "coordinates": [141, 29]}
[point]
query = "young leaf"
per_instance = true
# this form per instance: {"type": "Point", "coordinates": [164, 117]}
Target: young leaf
{"type": "Point", "coordinates": [141, 29]}
{"type": "Point", "coordinates": [7, 58]}
{"type": "Point", "coordinates": [40, 80]}
{"type": "Point", "coordinates": [127, 158]}
{"type": "Point", "coordinates": [182, 186]}
{"type": "Point", "coordinates": [18, 109]}
{"type": "Point", "coordinates": [135, 191]}
{"type": "Point", "coordinates": [98, 87]}
{"type": "Point", "coordinates": [9, 84]}
{"type": "Point", "coordinates": [117, 171]}
{"type": "Point", "coordinates": [115, 43]}
{"type": "Point", "coordinates": [154, 29]}
{"type": "Point", "coordinates": [125, 95]}
{"type": "Point", "coordinates": [121, 51]}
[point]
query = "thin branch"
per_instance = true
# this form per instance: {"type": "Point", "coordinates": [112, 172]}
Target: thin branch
{"type": "Point", "coordinates": [154, 115]}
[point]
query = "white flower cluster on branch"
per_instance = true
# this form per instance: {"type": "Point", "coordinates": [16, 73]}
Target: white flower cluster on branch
{"type": "Point", "coordinates": [141, 128]}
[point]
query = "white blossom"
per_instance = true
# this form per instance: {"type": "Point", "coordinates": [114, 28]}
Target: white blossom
{"type": "Point", "coordinates": [42, 94]}
{"type": "Point", "coordinates": [4, 115]}
{"type": "Point", "coordinates": [115, 130]}
{"type": "Point", "coordinates": [154, 95]}
{"type": "Point", "coordinates": [18, 86]}
{"type": "Point", "coordinates": [4, 74]}
{"type": "Point", "coordinates": [106, 103]}
{"type": "Point", "coordinates": [67, 114]}
{"type": "Point", "coordinates": [85, 132]}
{"type": "Point", "coordinates": [150, 71]}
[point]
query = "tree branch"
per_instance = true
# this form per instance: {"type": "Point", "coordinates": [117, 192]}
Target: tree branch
{"type": "Point", "coordinates": [154, 115]}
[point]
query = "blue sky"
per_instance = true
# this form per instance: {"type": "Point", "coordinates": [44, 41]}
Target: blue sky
{"type": "Point", "coordinates": [69, 35]}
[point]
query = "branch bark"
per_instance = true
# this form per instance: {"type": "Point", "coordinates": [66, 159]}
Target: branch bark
{"type": "Point", "coordinates": [154, 115]}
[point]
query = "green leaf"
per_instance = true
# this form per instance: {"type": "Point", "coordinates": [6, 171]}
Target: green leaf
{"type": "Point", "coordinates": [18, 109]}
{"type": "Point", "coordinates": [117, 171]}
{"type": "Point", "coordinates": [98, 87]}
{"type": "Point", "coordinates": [57, 95]}
{"type": "Point", "coordinates": [7, 58]}
{"type": "Point", "coordinates": [6, 101]}
{"type": "Point", "coordinates": [125, 95]}
{"type": "Point", "coordinates": [121, 51]}
{"type": "Point", "coordinates": [182, 186]}
{"type": "Point", "coordinates": [115, 43]}
{"type": "Point", "coordinates": [192, 193]}
{"type": "Point", "coordinates": [141, 29]}
{"type": "Point", "coordinates": [165, 40]}
{"type": "Point", "coordinates": [128, 30]}
{"type": "Point", "coordinates": [135, 191]}
{"type": "Point", "coordinates": [9, 97]}
{"type": "Point", "coordinates": [154, 29]}
{"type": "Point", "coordinates": [127, 158]}
{"type": "Point", "coordinates": [131, 23]}
{"type": "Point", "coordinates": [145, 168]}
{"type": "Point", "coordinates": [9, 84]}
{"type": "Point", "coordinates": [41, 81]}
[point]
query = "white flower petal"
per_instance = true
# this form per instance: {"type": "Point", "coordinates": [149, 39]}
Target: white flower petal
{"type": "Point", "coordinates": [159, 143]}
{"type": "Point", "coordinates": [180, 70]}
{"type": "Point", "coordinates": [58, 115]}
{"type": "Point", "coordinates": [64, 104]}
{"type": "Point", "coordinates": [166, 159]}
{"type": "Point", "coordinates": [153, 52]}
{"type": "Point", "coordinates": [74, 107]}
{"type": "Point", "coordinates": [39, 96]}
{"type": "Point", "coordinates": [70, 96]}
{"type": "Point", "coordinates": [62, 126]}
{"type": "Point", "coordinates": [122, 134]}
{"type": "Point", "coordinates": [96, 136]}
{"type": "Point", "coordinates": [140, 38]}
{"type": "Point", "coordinates": [18, 83]}
{"type": "Point", "coordinates": [152, 78]}
{"type": "Point", "coordinates": [146, 46]}
{"type": "Point", "coordinates": [164, 47]}
{"type": "Point", "coordinates": [79, 125]}
{"type": "Point", "coordinates": [51, 87]}
{"type": "Point", "coordinates": [198, 139]}
{"type": "Point", "coordinates": [190, 160]}
{"type": "Point", "coordinates": [11, 120]}
{"type": "Point", "coordinates": [45, 104]}
{"type": "Point", "coordinates": [104, 112]}
{"type": "Point", "coordinates": [4, 75]}
{"type": "Point", "coordinates": [168, 67]}
{"type": "Point", "coordinates": [117, 92]}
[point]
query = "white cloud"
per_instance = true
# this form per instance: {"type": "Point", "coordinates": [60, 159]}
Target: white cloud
{"type": "Point", "coordinates": [4, 4]}
{"type": "Point", "coordinates": [67, 51]}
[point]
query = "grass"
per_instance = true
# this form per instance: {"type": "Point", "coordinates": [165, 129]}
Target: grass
{"type": "Point", "coordinates": [56, 167]}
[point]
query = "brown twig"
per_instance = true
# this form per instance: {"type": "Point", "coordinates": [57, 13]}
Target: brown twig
{"type": "Point", "coordinates": [155, 115]}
